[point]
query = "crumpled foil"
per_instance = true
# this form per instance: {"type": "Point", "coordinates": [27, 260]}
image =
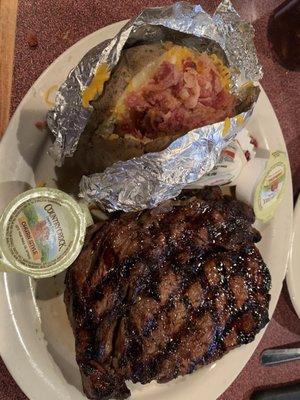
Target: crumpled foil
{"type": "Point", "coordinates": [145, 181]}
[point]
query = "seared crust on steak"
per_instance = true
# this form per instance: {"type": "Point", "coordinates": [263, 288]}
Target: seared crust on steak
{"type": "Point", "coordinates": [158, 293]}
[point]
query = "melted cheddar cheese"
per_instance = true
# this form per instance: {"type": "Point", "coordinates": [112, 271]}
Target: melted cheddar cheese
{"type": "Point", "coordinates": [96, 86]}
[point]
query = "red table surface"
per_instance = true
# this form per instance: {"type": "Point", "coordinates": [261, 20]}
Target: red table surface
{"type": "Point", "coordinates": [59, 24]}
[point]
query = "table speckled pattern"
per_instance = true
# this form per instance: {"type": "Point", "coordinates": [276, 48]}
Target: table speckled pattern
{"type": "Point", "coordinates": [60, 23]}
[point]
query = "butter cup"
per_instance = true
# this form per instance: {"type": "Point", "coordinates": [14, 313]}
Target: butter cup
{"type": "Point", "coordinates": [43, 232]}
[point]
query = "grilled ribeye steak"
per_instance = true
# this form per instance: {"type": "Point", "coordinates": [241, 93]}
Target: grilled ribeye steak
{"type": "Point", "coordinates": [158, 293]}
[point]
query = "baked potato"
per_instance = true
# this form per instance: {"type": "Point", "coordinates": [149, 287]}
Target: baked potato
{"type": "Point", "coordinates": [156, 93]}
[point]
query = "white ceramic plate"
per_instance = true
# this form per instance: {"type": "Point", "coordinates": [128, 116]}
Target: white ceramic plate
{"type": "Point", "coordinates": [36, 341]}
{"type": "Point", "coordinates": [293, 273]}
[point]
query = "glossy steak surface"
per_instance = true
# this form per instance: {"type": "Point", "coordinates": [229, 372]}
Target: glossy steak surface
{"type": "Point", "coordinates": [158, 293]}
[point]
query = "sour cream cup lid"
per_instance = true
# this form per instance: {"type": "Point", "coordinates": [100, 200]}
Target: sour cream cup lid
{"type": "Point", "coordinates": [269, 191]}
{"type": "Point", "coordinates": [42, 232]}
{"type": "Point", "coordinates": [261, 183]}
{"type": "Point", "coordinates": [250, 177]}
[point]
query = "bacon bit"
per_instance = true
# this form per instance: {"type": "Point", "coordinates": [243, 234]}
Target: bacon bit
{"type": "Point", "coordinates": [135, 100]}
{"type": "Point", "coordinates": [32, 40]}
{"type": "Point", "coordinates": [247, 155]}
{"type": "Point", "coordinates": [189, 64]}
{"type": "Point", "coordinates": [178, 99]}
{"type": "Point", "coordinates": [166, 76]}
{"type": "Point", "coordinates": [41, 125]}
{"type": "Point", "coordinates": [137, 133]}
{"type": "Point", "coordinates": [253, 141]}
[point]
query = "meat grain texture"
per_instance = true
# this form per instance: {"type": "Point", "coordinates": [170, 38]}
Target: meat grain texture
{"type": "Point", "coordinates": [159, 293]}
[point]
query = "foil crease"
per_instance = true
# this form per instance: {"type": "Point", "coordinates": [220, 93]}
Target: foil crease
{"type": "Point", "coordinates": [146, 181]}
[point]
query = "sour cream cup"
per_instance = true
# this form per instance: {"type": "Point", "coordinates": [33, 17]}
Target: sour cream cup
{"type": "Point", "coordinates": [230, 164]}
{"type": "Point", "coordinates": [262, 181]}
{"type": "Point", "coordinates": [42, 232]}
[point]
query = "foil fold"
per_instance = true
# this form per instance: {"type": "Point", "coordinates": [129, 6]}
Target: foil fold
{"type": "Point", "coordinates": [144, 182]}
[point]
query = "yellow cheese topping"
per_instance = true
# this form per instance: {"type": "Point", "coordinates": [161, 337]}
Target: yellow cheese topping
{"type": "Point", "coordinates": [224, 71]}
{"type": "Point", "coordinates": [240, 119]}
{"type": "Point", "coordinates": [226, 128]}
{"type": "Point", "coordinates": [95, 88]}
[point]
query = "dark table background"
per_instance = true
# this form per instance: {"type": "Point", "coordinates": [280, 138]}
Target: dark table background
{"type": "Point", "coordinates": [59, 24]}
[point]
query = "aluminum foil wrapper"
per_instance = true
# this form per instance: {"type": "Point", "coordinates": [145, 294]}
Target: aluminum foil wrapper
{"type": "Point", "coordinates": [145, 181]}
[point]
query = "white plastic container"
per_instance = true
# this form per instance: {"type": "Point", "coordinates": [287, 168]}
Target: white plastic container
{"type": "Point", "coordinates": [43, 232]}
{"type": "Point", "coordinates": [261, 183]}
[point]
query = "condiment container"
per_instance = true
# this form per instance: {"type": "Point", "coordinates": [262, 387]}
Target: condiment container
{"type": "Point", "coordinates": [42, 232]}
{"type": "Point", "coordinates": [261, 183]}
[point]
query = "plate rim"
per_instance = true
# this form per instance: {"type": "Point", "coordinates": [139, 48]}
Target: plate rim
{"type": "Point", "coordinates": [12, 369]}
{"type": "Point", "coordinates": [293, 292]}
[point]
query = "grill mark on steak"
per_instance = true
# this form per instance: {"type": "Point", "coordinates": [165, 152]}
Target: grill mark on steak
{"type": "Point", "coordinates": [158, 293]}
